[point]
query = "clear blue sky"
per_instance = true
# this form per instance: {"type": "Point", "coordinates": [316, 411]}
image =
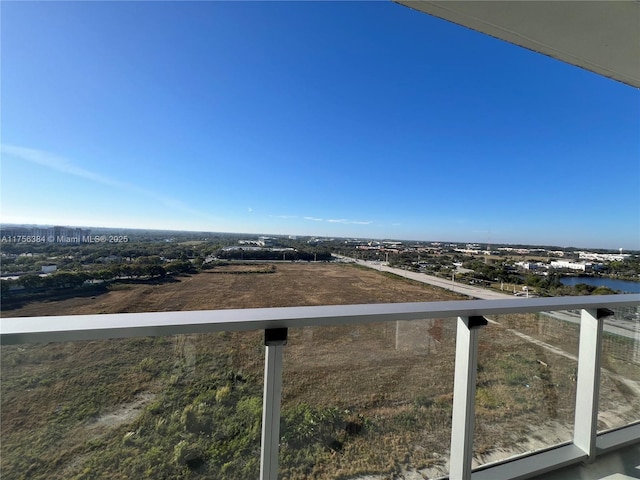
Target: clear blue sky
{"type": "Point", "coordinates": [362, 119]}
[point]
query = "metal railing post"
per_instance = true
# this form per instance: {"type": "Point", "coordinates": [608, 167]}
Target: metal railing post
{"type": "Point", "coordinates": [274, 339]}
{"type": "Point", "coordinates": [464, 394]}
{"type": "Point", "coordinates": [585, 425]}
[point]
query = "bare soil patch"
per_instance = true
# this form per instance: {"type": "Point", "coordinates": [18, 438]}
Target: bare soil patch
{"type": "Point", "coordinates": [294, 284]}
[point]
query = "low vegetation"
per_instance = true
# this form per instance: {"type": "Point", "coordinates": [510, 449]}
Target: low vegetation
{"type": "Point", "coordinates": [356, 400]}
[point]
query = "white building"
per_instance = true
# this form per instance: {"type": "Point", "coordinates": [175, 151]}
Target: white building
{"type": "Point", "coordinates": [529, 265]}
{"type": "Point", "coordinates": [604, 257]}
{"type": "Point", "coordinates": [580, 266]}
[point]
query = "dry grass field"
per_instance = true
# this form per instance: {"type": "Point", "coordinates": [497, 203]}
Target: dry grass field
{"type": "Point", "coordinates": [290, 284]}
{"type": "Point", "coordinates": [362, 400]}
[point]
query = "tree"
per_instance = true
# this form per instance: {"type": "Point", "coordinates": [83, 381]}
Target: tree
{"type": "Point", "coordinates": [5, 287]}
{"type": "Point", "coordinates": [149, 260]}
{"type": "Point", "coordinates": [180, 266]}
{"type": "Point", "coordinates": [66, 280]}
{"type": "Point", "coordinates": [602, 290]}
{"type": "Point", "coordinates": [156, 271]}
{"type": "Point", "coordinates": [31, 281]}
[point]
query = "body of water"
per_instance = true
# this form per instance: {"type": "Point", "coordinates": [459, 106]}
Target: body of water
{"type": "Point", "coordinates": [621, 285]}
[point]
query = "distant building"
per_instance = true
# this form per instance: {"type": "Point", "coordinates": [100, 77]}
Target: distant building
{"type": "Point", "coordinates": [266, 241]}
{"type": "Point", "coordinates": [468, 251]}
{"type": "Point", "coordinates": [257, 243]}
{"type": "Point", "coordinates": [529, 265]}
{"type": "Point", "coordinates": [603, 257]}
{"type": "Point", "coordinates": [580, 266]}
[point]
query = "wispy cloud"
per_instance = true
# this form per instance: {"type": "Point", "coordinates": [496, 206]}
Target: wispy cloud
{"type": "Point", "coordinates": [349, 222]}
{"type": "Point", "coordinates": [343, 221]}
{"type": "Point", "coordinates": [63, 165]}
{"type": "Point", "coordinates": [60, 164]}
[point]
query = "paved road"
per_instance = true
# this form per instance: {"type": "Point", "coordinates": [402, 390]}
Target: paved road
{"type": "Point", "coordinates": [475, 292]}
{"type": "Point", "coordinates": [619, 326]}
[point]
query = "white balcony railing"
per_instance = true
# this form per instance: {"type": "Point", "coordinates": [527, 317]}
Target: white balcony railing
{"type": "Point", "coordinates": [586, 444]}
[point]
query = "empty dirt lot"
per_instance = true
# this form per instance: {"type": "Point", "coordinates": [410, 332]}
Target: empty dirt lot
{"type": "Point", "coordinates": [294, 284]}
{"type": "Point", "coordinates": [357, 400]}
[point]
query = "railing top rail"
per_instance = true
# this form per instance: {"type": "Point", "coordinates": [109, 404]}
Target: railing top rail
{"type": "Point", "coordinates": [122, 325]}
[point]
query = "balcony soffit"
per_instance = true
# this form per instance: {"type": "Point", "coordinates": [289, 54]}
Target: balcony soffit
{"type": "Point", "coordinates": [599, 36]}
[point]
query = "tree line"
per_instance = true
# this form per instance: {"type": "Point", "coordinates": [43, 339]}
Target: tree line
{"type": "Point", "coordinates": [291, 255]}
{"type": "Point", "coordinates": [33, 283]}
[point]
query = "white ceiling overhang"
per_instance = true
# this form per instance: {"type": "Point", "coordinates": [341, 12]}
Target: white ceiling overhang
{"type": "Point", "coordinates": [600, 36]}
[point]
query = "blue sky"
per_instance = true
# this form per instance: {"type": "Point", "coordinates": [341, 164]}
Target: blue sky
{"type": "Point", "coordinates": [352, 119]}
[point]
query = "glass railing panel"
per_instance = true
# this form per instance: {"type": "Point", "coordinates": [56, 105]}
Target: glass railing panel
{"type": "Point", "coordinates": [620, 373]}
{"type": "Point", "coordinates": [526, 384]}
{"type": "Point", "coordinates": [371, 399]}
{"type": "Point", "coordinates": [163, 407]}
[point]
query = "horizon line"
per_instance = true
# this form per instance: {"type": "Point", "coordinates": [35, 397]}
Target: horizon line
{"type": "Point", "coordinates": [3, 225]}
